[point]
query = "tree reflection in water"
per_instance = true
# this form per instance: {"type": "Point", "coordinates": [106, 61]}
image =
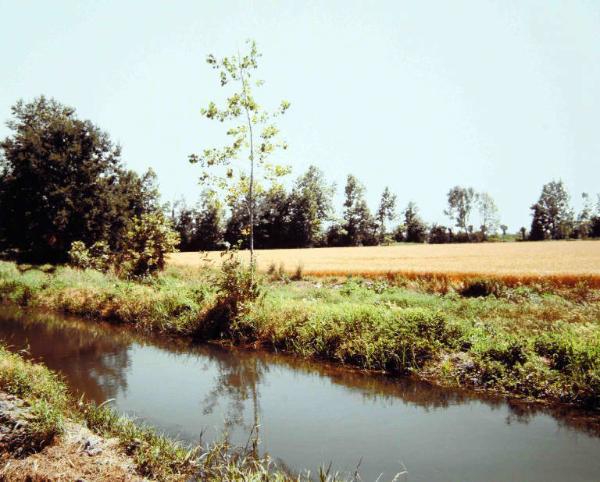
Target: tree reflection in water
{"type": "Point", "coordinates": [238, 381]}
{"type": "Point", "coordinates": [92, 358]}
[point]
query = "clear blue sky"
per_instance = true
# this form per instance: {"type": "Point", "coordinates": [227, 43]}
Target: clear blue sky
{"type": "Point", "coordinates": [500, 95]}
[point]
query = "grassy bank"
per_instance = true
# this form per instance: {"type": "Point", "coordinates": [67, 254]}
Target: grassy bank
{"type": "Point", "coordinates": [49, 411]}
{"type": "Point", "coordinates": [539, 339]}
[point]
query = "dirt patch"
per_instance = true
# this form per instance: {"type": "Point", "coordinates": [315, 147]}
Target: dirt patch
{"type": "Point", "coordinates": [76, 455]}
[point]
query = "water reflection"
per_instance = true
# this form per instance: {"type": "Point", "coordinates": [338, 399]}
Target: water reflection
{"type": "Point", "coordinates": [90, 357]}
{"type": "Point", "coordinates": [238, 380]}
{"type": "Point", "coordinates": [311, 413]}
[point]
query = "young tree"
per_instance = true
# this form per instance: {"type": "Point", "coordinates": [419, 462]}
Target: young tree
{"type": "Point", "coordinates": [552, 215]}
{"type": "Point", "coordinates": [252, 130]}
{"type": "Point", "coordinates": [489, 214]}
{"type": "Point", "coordinates": [414, 228]}
{"type": "Point", "coordinates": [460, 205]}
{"type": "Point", "coordinates": [358, 220]}
{"type": "Point", "coordinates": [386, 211]}
{"type": "Point", "coordinates": [311, 206]}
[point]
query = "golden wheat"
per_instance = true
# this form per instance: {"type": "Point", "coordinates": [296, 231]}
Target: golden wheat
{"type": "Point", "coordinates": [568, 260]}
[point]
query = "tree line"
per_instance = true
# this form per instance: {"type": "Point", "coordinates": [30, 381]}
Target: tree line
{"type": "Point", "coordinates": [304, 217]}
{"type": "Point", "coordinates": [62, 181]}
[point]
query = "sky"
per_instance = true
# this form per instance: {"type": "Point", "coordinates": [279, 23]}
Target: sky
{"type": "Point", "coordinates": [420, 96]}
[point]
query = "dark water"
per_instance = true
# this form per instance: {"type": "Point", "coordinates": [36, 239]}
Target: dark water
{"type": "Point", "coordinates": [311, 414]}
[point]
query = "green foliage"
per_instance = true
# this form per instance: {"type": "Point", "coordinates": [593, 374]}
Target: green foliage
{"type": "Point", "coordinates": [359, 223]}
{"type": "Point", "coordinates": [145, 246]}
{"type": "Point", "coordinates": [155, 455]}
{"type": "Point", "coordinates": [414, 229]}
{"type": "Point", "coordinates": [200, 228]}
{"type": "Point", "coordinates": [45, 394]}
{"type": "Point", "coordinates": [460, 205]}
{"type": "Point", "coordinates": [252, 130]}
{"type": "Point", "coordinates": [61, 180]}
{"type": "Point", "coordinates": [552, 215]}
{"type": "Point", "coordinates": [310, 206]}
{"type": "Point", "coordinates": [439, 234]}
{"type": "Point", "coordinates": [237, 288]}
{"type": "Point", "coordinates": [96, 257]}
{"type": "Point", "coordinates": [386, 211]}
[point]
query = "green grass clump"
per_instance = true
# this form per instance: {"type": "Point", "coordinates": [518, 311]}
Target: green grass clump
{"type": "Point", "coordinates": [43, 392]}
{"type": "Point", "coordinates": [155, 455]}
{"type": "Point", "coordinates": [372, 337]}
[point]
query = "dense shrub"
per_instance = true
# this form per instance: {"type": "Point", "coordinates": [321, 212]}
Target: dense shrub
{"type": "Point", "coordinates": [509, 352]}
{"type": "Point", "coordinates": [439, 234]}
{"type": "Point", "coordinates": [146, 245]}
{"type": "Point", "coordinates": [479, 287]}
{"type": "Point", "coordinates": [238, 288]}
{"type": "Point", "coordinates": [96, 257]}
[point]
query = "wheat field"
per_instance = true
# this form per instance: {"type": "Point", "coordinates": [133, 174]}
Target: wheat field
{"type": "Point", "coordinates": [536, 259]}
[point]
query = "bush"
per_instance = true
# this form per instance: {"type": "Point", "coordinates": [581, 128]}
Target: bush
{"type": "Point", "coordinates": [439, 234]}
{"type": "Point", "coordinates": [237, 289]}
{"type": "Point", "coordinates": [508, 352]}
{"type": "Point", "coordinates": [480, 287]}
{"type": "Point", "coordinates": [97, 257]}
{"type": "Point", "coordinates": [79, 255]}
{"type": "Point", "coordinates": [145, 246]}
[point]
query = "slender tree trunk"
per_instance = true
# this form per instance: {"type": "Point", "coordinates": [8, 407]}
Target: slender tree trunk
{"type": "Point", "coordinates": [251, 184]}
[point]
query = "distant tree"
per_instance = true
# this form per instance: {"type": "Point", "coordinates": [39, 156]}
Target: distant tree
{"type": "Point", "coordinates": [489, 214]}
{"type": "Point", "coordinates": [439, 234]}
{"type": "Point", "coordinates": [311, 206]}
{"type": "Point", "coordinates": [273, 219]}
{"type": "Point", "coordinates": [237, 226]}
{"type": "Point", "coordinates": [386, 211]}
{"type": "Point", "coordinates": [414, 228]}
{"type": "Point", "coordinates": [62, 180]}
{"type": "Point", "coordinates": [253, 132]}
{"type": "Point", "coordinates": [336, 235]}
{"type": "Point", "coordinates": [208, 223]}
{"type": "Point", "coordinates": [399, 233]}
{"type": "Point", "coordinates": [583, 226]}
{"type": "Point", "coordinates": [552, 215]}
{"type": "Point", "coordinates": [523, 232]}
{"type": "Point", "coordinates": [595, 221]}
{"type": "Point", "coordinates": [359, 224]}
{"type": "Point", "coordinates": [460, 205]}
{"type": "Point", "coordinates": [539, 223]}
{"type": "Point", "coordinates": [184, 222]}
{"type": "Point", "coordinates": [503, 228]}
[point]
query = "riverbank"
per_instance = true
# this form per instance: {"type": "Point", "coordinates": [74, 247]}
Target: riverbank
{"type": "Point", "coordinates": [45, 434]}
{"type": "Point", "coordinates": [535, 340]}
{"type": "Point", "coordinates": [42, 424]}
